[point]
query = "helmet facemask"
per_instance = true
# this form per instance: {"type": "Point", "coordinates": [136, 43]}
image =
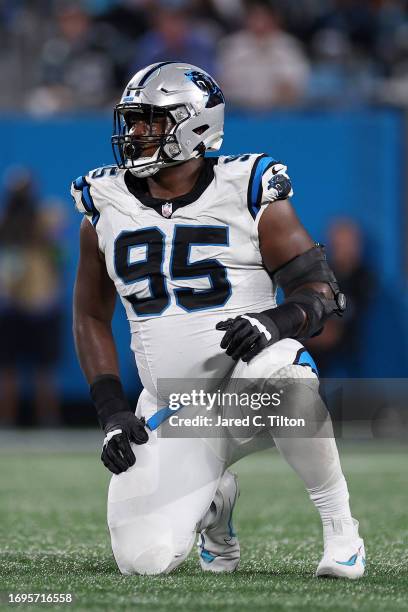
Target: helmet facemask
{"type": "Point", "coordinates": [145, 153]}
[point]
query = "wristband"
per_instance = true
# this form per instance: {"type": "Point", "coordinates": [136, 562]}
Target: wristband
{"type": "Point", "coordinates": [289, 318]}
{"type": "Point", "coordinates": [108, 397]}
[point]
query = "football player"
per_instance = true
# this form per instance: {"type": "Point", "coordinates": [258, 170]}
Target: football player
{"type": "Point", "coordinates": [196, 247]}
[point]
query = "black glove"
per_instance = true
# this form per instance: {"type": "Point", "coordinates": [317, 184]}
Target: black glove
{"type": "Point", "coordinates": [121, 429]}
{"type": "Point", "coordinates": [247, 335]}
{"type": "Point", "coordinates": [120, 424]}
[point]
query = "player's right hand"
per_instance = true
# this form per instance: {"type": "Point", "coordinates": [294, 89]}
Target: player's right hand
{"type": "Point", "coordinates": [122, 428]}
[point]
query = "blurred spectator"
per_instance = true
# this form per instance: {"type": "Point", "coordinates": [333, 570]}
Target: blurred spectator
{"type": "Point", "coordinates": [128, 17]}
{"type": "Point", "coordinates": [394, 88]}
{"type": "Point", "coordinates": [23, 27]}
{"type": "Point", "coordinates": [338, 347]}
{"type": "Point", "coordinates": [226, 14]}
{"type": "Point", "coordinates": [81, 64]}
{"type": "Point", "coordinates": [262, 66]}
{"type": "Point", "coordinates": [174, 36]}
{"type": "Point", "coordinates": [338, 77]}
{"type": "Point", "coordinates": [355, 19]}
{"type": "Point", "coordinates": [62, 55]}
{"type": "Point", "coordinates": [29, 302]}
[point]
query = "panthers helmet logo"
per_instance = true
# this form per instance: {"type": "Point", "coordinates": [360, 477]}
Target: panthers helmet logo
{"type": "Point", "coordinates": [207, 86]}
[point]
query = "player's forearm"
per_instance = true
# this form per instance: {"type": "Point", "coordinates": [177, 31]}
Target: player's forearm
{"type": "Point", "coordinates": [95, 347]}
{"type": "Point", "coordinates": [98, 358]}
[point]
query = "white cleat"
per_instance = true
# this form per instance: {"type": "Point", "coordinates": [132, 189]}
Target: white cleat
{"type": "Point", "coordinates": [218, 544]}
{"type": "Point", "coordinates": [344, 554]}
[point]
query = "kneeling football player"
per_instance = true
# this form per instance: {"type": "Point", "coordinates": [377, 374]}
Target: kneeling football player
{"type": "Point", "coordinates": [196, 247]}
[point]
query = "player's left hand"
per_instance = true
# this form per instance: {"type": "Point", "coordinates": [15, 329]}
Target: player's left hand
{"type": "Point", "coordinates": [247, 335]}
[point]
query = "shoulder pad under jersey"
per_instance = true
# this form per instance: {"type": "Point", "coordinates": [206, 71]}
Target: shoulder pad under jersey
{"type": "Point", "coordinates": [81, 190]}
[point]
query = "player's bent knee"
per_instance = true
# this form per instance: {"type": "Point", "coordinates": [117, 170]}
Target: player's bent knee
{"type": "Point", "coordinates": [153, 561]}
{"type": "Point", "coordinates": [140, 556]}
{"type": "Point", "coordinates": [139, 550]}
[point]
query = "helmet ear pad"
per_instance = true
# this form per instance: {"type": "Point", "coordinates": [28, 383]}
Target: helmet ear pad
{"type": "Point", "coordinates": [193, 133]}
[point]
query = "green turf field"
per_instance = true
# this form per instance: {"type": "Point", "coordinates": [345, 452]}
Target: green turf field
{"type": "Point", "coordinates": [54, 538]}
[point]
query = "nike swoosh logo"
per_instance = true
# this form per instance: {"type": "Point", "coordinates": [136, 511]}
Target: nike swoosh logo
{"type": "Point", "coordinates": [352, 561]}
{"type": "Point", "coordinates": [277, 168]}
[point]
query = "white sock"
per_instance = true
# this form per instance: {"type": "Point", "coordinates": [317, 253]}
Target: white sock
{"type": "Point", "coordinates": [317, 463]}
{"type": "Point", "coordinates": [332, 503]}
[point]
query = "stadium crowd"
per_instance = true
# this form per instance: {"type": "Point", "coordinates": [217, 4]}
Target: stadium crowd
{"type": "Point", "coordinates": [61, 56]}
{"type": "Point", "coordinates": [73, 56]}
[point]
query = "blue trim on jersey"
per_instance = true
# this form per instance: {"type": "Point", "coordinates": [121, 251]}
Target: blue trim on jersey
{"type": "Point", "coordinates": [262, 163]}
{"type": "Point", "coordinates": [304, 358]}
{"type": "Point", "coordinates": [256, 189]}
{"type": "Point", "coordinates": [101, 172]}
{"type": "Point", "coordinates": [81, 184]}
{"type": "Point", "coordinates": [242, 158]}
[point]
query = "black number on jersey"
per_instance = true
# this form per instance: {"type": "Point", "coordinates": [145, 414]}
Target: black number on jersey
{"type": "Point", "coordinates": [232, 158]}
{"type": "Point", "coordinates": [100, 172]}
{"type": "Point", "coordinates": [181, 267]}
{"type": "Point", "coordinates": [151, 268]}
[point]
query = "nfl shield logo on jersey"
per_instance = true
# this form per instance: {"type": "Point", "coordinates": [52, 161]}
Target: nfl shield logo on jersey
{"type": "Point", "coordinates": [167, 209]}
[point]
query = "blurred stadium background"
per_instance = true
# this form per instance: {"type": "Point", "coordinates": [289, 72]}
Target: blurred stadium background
{"type": "Point", "coordinates": [320, 84]}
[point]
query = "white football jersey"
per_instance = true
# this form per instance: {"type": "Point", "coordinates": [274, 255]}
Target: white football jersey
{"type": "Point", "coordinates": [181, 266]}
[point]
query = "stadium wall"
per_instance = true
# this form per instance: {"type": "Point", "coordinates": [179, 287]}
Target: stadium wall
{"type": "Point", "coordinates": [342, 164]}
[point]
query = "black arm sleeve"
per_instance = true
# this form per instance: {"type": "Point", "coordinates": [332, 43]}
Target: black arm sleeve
{"type": "Point", "coordinates": [308, 267]}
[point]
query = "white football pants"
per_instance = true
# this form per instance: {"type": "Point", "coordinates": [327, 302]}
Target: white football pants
{"type": "Point", "coordinates": [155, 506]}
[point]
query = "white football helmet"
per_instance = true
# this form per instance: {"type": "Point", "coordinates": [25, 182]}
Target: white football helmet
{"type": "Point", "coordinates": [192, 104]}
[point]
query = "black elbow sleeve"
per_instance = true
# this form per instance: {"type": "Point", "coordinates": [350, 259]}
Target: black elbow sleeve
{"type": "Point", "coordinates": [311, 267]}
{"type": "Point", "coordinates": [318, 308]}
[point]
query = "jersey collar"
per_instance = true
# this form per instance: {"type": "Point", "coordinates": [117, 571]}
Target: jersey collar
{"type": "Point", "coordinates": [138, 187]}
